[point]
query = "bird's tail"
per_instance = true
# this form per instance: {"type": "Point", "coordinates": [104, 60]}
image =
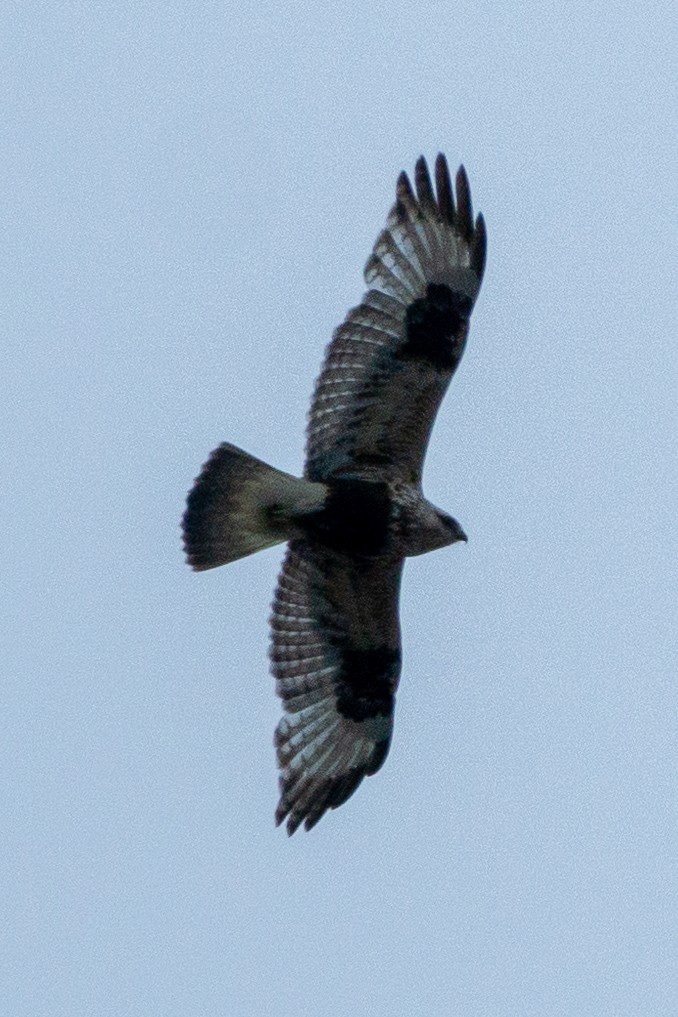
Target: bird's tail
{"type": "Point", "coordinates": [239, 505]}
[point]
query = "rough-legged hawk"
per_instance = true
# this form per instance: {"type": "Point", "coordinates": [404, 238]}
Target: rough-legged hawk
{"type": "Point", "coordinates": [359, 510]}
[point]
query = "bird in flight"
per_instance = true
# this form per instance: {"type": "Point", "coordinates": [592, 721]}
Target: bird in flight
{"type": "Point", "coordinates": [359, 509]}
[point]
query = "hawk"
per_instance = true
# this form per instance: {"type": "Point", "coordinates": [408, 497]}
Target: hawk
{"type": "Point", "coordinates": [359, 510]}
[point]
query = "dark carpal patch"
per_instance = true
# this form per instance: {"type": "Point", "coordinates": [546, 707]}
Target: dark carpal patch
{"type": "Point", "coordinates": [436, 327]}
{"type": "Point", "coordinates": [366, 682]}
{"type": "Point", "coordinates": [355, 518]}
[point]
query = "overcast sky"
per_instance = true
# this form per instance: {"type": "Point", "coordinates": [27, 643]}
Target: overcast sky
{"type": "Point", "coordinates": [190, 192]}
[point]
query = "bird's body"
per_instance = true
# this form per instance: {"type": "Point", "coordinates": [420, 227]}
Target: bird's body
{"type": "Point", "coordinates": [359, 510]}
{"type": "Point", "coordinates": [375, 519]}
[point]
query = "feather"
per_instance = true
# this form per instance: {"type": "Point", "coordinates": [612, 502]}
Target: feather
{"type": "Point", "coordinates": [380, 387]}
{"type": "Point", "coordinates": [338, 701]}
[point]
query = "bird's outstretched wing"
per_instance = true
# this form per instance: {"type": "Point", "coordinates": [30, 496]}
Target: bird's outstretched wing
{"type": "Point", "coordinates": [388, 365]}
{"type": "Point", "coordinates": [335, 651]}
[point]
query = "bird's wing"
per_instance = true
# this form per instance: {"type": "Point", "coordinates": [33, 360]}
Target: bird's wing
{"type": "Point", "coordinates": [335, 651]}
{"type": "Point", "coordinates": [388, 365]}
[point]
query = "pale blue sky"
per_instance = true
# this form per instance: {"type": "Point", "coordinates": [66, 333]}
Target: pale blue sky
{"type": "Point", "coordinates": [190, 194]}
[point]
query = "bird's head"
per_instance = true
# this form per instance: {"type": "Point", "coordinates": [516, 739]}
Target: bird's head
{"type": "Point", "coordinates": [432, 529]}
{"type": "Point", "coordinates": [450, 529]}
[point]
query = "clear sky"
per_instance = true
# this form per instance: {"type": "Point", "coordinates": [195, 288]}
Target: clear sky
{"type": "Point", "coordinates": [190, 192]}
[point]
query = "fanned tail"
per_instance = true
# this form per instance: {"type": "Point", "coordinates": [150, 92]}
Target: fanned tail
{"type": "Point", "coordinates": [239, 505]}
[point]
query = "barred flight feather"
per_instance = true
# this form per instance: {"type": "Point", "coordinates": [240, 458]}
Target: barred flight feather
{"type": "Point", "coordinates": [380, 388]}
{"type": "Point", "coordinates": [323, 754]}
